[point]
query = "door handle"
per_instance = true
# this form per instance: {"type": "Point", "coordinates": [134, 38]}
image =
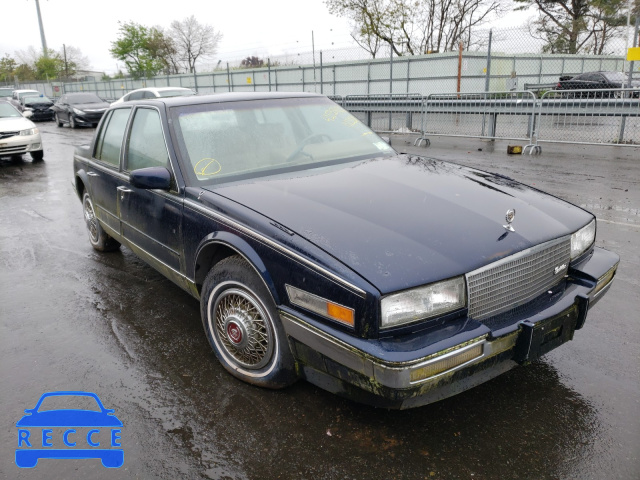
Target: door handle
{"type": "Point", "coordinates": [123, 191]}
{"type": "Point", "coordinates": [93, 174]}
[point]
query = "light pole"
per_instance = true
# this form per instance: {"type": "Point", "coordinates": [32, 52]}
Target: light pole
{"type": "Point", "coordinates": [44, 40]}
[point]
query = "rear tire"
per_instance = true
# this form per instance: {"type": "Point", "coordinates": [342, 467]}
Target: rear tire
{"type": "Point", "coordinates": [242, 325]}
{"type": "Point", "coordinates": [99, 239]}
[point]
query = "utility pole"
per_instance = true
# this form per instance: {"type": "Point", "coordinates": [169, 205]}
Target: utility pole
{"type": "Point", "coordinates": [66, 66]}
{"type": "Point", "coordinates": [45, 51]}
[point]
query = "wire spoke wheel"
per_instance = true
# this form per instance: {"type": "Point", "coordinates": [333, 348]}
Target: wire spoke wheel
{"type": "Point", "coordinates": [242, 328]}
{"type": "Point", "coordinates": [90, 219]}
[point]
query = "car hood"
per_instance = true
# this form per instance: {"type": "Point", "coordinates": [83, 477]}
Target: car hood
{"type": "Point", "coordinates": [11, 124]}
{"type": "Point", "coordinates": [91, 106]}
{"type": "Point", "coordinates": [405, 221]}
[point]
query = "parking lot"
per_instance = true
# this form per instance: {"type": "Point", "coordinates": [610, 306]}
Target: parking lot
{"type": "Point", "coordinates": [74, 319]}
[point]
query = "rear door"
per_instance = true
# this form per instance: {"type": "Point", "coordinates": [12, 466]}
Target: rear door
{"type": "Point", "coordinates": [151, 220]}
{"type": "Point", "coordinates": [104, 170]}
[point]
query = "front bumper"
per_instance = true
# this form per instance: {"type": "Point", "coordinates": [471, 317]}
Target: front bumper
{"type": "Point", "coordinates": [395, 374]}
{"type": "Point", "coordinates": [20, 144]}
{"type": "Point", "coordinates": [41, 115]}
{"type": "Point", "coordinates": [88, 118]}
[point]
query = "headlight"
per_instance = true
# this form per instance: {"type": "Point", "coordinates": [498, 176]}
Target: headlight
{"type": "Point", "coordinates": [583, 239]}
{"type": "Point", "coordinates": [78, 112]}
{"type": "Point", "coordinates": [29, 131]}
{"type": "Point", "coordinates": [423, 302]}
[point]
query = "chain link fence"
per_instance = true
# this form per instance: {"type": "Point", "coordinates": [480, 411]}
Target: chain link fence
{"type": "Point", "coordinates": [492, 60]}
{"type": "Point", "coordinates": [502, 82]}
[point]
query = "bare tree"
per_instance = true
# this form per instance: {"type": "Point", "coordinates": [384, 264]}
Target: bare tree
{"type": "Point", "coordinates": [412, 27]}
{"type": "Point", "coordinates": [193, 40]}
{"type": "Point", "coordinates": [75, 57]}
{"type": "Point", "coordinates": [29, 56]}
{"type": "Point", "coordinates": [578, 26]}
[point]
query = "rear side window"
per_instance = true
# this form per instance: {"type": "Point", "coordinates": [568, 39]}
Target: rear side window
{"type": "Point", "coordinates": [146, 143]}
{"type": "Point", "coordinates": [136, 96]}
{"type": "Point", "coordinates": [109, 142]}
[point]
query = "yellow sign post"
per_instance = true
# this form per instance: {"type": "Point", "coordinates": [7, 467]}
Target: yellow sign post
{"type": "Point", "coordinates": [633, 54]}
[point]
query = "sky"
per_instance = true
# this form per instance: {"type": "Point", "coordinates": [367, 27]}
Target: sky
{"type": "Point", "coordinates": [249, 27]}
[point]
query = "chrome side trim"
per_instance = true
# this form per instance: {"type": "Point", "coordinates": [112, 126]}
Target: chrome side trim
{"type": "Point", "coordinates": [165, 247]}
{"type": "Point", "coordinates": [276, 246]}
{"type": "Point", "coordinates": [182, 280]}
{"type": "Point", "coordinates": [153, 258]}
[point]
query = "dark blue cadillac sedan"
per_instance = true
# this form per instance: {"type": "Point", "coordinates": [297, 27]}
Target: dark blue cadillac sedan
{"type": "Point", "coordinates": [317, 251]}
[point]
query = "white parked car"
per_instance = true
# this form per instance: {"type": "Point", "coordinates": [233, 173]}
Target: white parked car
{"type": "Point", "coordinates": [153, 92]}
{"type": "Point", "coordinates": [18, 134]}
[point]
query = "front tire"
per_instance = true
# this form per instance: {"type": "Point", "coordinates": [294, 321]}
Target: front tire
{"type": "Point", "coordinates": [57, 120]}
{"type": "Point", "coordinates": [37, 156]}
{"type": "Point", "coordinates": [72, 121]}
{"type": "Point", "coordinates": [242, 326]}
{"type": "Point", "coordinates": [99, 239]}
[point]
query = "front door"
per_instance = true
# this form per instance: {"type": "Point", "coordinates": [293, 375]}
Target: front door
{"type": "Point", "coordinates": [151, 220]}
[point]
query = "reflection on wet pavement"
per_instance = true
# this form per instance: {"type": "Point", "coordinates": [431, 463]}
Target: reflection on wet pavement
{"type": "Point", "coordinates": [75, 319]}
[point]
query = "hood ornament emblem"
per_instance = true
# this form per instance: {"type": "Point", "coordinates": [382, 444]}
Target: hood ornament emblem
{"type": "Point", "coordinates": [511, 214]}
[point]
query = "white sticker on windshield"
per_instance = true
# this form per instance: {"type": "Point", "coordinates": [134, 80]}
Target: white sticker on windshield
{"type": "Point", "coordinates": [383, 146]}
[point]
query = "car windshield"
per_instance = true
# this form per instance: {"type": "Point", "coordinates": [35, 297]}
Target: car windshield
{"type": "Point", "coordinates": [66, 402]}
{"type": "Point", "coordinates": [84, 98]}
{"type": "Point", "coordinates": [615, 77]}
{"type": "Point", "coordinates": [28, 94]}
{"type": "Point", "coordinates": [176, 93]}
{"type": "Point", "coordinates": [6, 92]}
{"type": "Point", "coordinates": [36, 99]}
{"type": "Point", "coordinates": [7, 110]}
{"type": "Point", "coordinates": [225, 142]}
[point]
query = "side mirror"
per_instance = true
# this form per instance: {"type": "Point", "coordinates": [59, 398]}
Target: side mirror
{"type": "Point", "coordinates": [27, 113]}
{"type": "Point", "coordinates": [151, 178]}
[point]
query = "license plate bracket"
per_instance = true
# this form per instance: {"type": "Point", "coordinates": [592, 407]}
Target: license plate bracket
{"type": "Point", "coordinates": [536, 339]}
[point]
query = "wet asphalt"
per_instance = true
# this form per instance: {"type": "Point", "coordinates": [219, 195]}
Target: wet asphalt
{"type": "Point", "coordinates": [74, 319]}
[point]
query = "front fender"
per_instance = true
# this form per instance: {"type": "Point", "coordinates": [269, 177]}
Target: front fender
{"type": "Point", "coordinates": [214, 247]}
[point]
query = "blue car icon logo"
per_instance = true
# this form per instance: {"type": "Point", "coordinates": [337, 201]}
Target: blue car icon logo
{"type": "Point", "coordinates": [67, 433]}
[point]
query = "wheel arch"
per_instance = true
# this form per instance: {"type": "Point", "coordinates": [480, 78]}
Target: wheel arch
{"type": "Point", "coordinates": [220, 245]}
{"type": "Point", "coordinates": [82, 180]}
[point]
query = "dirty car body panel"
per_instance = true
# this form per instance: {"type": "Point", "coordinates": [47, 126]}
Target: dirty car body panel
{"type": "Point", "coordinates": [398, 280]}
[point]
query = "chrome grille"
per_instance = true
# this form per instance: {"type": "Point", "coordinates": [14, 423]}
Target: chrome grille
{"type": "Point", "coordinates": [8, 134]}
{"type": "Point", "coordinates": [516, 279]}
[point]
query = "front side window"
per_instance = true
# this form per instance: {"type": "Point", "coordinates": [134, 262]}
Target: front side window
{"type": "Point", "coordinates": [146, 142]}
{"type": "Point", "coordinates": [109, 142]}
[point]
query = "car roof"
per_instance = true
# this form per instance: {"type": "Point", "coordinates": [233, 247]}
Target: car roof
{"type": "Point", "coordinates": [157, 89]}
{"type": "Point", "coordinates": [221, 98]}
